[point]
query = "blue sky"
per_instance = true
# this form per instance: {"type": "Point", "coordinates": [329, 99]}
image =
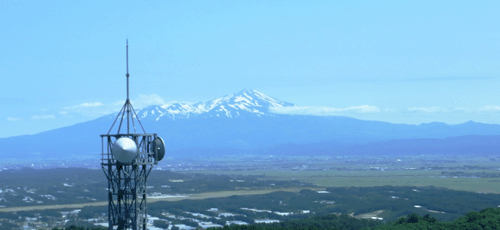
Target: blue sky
{"type": "Point", "coordinates": [63, 62]}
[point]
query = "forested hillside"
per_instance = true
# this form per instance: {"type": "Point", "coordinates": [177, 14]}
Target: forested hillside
{"type": "Point", "coordinates": [331, 221]}
{"type": "Point", "coordinates": [486, 219]}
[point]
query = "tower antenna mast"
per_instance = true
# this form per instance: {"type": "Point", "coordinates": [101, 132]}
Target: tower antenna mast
{"type": "Point", "coordinates": [127, 159]}
{"type": "Point", "coordinates": [127, 72]}
{"type": "Point", "coordinates": [128, 100]}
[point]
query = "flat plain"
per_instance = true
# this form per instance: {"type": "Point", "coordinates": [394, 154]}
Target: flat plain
{"type": "Point", "coordinates": [473, 174]}
{"type": "Point", "coordinates": [276, 187]}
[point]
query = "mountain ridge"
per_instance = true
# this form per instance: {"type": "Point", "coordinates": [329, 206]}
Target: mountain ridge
{"type": "Point", "coordinates": [240, 121]}
{"type": "Point", "coordinates": [243, 103]}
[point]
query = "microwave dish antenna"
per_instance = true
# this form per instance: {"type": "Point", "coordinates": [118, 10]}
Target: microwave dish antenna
{"type": "Point", "coordinates": [124, 150]}
{"type": "Point", "coordinates": [127, 158]}
{"type": "Point", "coordinates": [159, 148]}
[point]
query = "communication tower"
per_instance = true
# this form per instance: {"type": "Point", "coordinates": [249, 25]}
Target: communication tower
{"type": "Point", "coordinates": [127, 159]}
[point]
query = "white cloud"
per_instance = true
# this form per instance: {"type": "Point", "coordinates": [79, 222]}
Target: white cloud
{"type": "Point", "coordinates": [91, 109]}
{"type": "Point", "coordinates": [462, 109]}
{"type": "Point", "coordinates": [426, 109]}
{"type": "Point", "coordinates": [94, 104]}
{"type": "Point", "coordinates": [490, 108]}
{"type": "Point", "coordinates": [43, 117]}
{"type": "Point", "coordinates": [363, 109]}
{"type": "Point", "coordinates": [84, 105]}
{"type": "Point", "coordinates": [147, 100]}
{"type": "Point", "coordinates": [324, 110]}
{"type": "Point", "coordinates": [13, 119]}
{"type": "Point", "coordinates": [96, 109]}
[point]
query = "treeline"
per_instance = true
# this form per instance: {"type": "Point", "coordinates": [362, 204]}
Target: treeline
{"type": "Point", "coordinates": [486, 219]}
{"type": "Point", "coordinates": [74, 227]}
{"type": "Point", "coordinates": [331, 221]}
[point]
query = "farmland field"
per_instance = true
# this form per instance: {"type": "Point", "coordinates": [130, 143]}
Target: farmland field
{"type": "Point", "coordinates": [480, 175]}
{"type": "Point", "coordinates": [278, 188]}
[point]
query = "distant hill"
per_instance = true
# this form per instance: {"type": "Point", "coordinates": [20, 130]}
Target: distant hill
{"type": "Point", "coordinates": [243, 123]}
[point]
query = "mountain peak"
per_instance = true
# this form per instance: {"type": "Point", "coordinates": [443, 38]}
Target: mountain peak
{"type": "Point", "coordinates": [256, 97]}
{"type": "Point", "coordinates": [244, 102]}
{"type": "Point", "coordinates": [247, 102]}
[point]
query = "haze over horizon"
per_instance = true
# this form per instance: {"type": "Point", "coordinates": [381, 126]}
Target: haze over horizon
{"type": "Point", "coordinates": [400, 62]}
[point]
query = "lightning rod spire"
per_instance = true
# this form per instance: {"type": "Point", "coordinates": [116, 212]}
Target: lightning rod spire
{"type": "Point", "coordinates": [127, 72]}
{"type": "Point", "coordinates": [127, 103]}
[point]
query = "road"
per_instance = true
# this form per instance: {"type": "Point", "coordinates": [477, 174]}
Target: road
{"type": "Point", "coordinates": [197, 196]}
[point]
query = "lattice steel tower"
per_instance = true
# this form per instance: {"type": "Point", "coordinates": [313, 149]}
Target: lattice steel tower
{"type": "Point", "coordinates": [127, 159]}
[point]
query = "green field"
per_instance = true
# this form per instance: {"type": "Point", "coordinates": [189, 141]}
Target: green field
{"type": "Point", "coordinates": [365, 178]}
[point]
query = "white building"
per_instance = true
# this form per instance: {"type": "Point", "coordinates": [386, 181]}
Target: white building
{"type": "Point", "coordinates": [266, 221]}
{"type": "Point", "coordinates": [236, 222]}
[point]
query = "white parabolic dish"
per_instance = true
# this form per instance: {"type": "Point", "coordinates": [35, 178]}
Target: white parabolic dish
{"type": "Point", "coordinates": [124, 150]}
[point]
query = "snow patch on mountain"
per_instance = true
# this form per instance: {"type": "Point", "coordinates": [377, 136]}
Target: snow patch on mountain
{"type": "Point", "coordinates": [243, 103]}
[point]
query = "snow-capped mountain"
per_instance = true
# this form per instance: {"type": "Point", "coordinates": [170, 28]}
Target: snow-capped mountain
{"type": "Point", "coordinates": [241, 104]}
{"type": "Point", "coordinates": [242, 123]}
